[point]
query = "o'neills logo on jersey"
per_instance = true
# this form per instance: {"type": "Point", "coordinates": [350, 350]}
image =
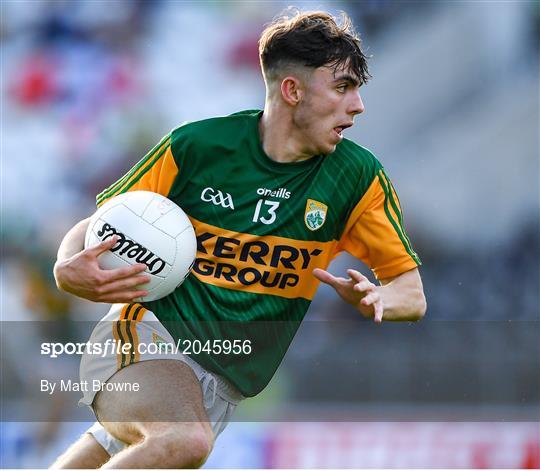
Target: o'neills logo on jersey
{"type": "Point", "coordinates": [279, 193]}
{"type": "Point", "coordinates": [127, 248]}
{"type": "Point", "coordinates": [258, 264]}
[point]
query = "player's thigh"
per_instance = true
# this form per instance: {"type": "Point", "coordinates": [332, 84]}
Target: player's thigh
{"type": "Point", "coordinates": [85, 453]}
{"type": "Point", "coordinates": [169, 396]}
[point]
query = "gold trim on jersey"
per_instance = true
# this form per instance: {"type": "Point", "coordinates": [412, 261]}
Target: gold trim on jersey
{"type": "Point", "coordinates": [156, 174]}
{"type": "Point", "coordinates": [374, 232]}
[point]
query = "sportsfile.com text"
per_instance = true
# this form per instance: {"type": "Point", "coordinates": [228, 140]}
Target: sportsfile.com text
{"type": "Point", "coordinates": [182, 346]}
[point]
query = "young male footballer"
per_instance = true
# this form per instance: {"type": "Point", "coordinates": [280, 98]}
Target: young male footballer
{"type": "Point", "coordinates": [274, 196]}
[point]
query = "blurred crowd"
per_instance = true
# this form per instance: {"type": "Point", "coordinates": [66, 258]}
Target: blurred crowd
{"type": "Point", "coordinates": [88, 87]}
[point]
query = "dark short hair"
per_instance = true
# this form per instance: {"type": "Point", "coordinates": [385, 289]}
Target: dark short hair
{"type": "Point", "coordinates": [312, 39]}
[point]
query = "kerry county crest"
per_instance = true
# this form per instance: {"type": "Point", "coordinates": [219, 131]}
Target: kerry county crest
{"type": "Point", "coordinates": [315, 214]}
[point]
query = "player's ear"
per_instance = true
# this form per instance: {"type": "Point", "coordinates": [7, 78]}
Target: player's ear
{"type": "Point", "coordinates": [291, 90]}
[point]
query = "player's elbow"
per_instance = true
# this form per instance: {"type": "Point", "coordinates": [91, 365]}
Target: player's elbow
{"type": "Point", "coordinates": [420, 306]}
{"type": "Point", "coordinates": [57, 277]}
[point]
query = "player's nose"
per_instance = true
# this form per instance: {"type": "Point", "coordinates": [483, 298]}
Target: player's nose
{"type": "Point", "coordinates": [357, 105]}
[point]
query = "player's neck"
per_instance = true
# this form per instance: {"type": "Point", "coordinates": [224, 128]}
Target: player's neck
{"type": "Point", "coordinates": [278, 139]}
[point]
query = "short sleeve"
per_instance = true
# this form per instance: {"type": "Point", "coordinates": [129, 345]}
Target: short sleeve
{"type": "Point", "coordinates": [374, 232]}
{"type": "Point", "coordinates": [156, 172]}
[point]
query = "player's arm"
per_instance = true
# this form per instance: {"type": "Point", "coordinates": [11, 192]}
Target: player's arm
{"type": "Point", "coordinates": [77, 270]}
{"type": "Point", "coordinates": [400, 298]}
{"type": "Point", "coordinates": [376, 235]}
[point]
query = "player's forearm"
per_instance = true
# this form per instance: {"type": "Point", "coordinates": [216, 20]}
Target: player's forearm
{"type": "Point", "coordinates": [73, 241]}
{"type": "Point", "coordinates": [403, 298]}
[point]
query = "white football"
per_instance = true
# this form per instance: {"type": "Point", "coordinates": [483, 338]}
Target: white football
{"type": "Point", "coordinates": [152, 230]}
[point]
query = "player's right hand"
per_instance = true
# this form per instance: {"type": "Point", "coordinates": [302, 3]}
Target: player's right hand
{"type": "Point", "coordinates": [357, 291]}
{"type": "Point", "coordinates": [81, 275]}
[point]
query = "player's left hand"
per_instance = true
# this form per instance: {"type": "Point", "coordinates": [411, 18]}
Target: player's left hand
{"type": "Point", "coordinates": [356, 290]}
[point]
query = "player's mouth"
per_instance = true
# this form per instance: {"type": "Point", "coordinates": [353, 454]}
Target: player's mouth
{"type": "Point", "coordinates": [339, 129]}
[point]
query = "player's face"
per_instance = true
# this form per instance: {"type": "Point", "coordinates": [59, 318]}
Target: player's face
{"type": "Point", "coordinates": [330, 102]}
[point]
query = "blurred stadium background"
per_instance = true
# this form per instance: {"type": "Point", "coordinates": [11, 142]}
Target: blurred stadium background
{"type": "Point", "coordinates": [453, 113]}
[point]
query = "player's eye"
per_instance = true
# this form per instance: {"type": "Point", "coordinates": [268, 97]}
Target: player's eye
{"type": "Point", "coordinates": [342, 88]}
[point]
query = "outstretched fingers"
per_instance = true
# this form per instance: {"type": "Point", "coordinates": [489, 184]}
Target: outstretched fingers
{"type": "Point", "coordinates": [357, 289]}
{"type": "Point", "coordinates": [326, 277]}
{"type": "Point", "coordinates": [362, 283]}
{"type": "Point", "coordinates": [363, 286]}
{"type": "Point", "coordinates": [356, 276]}
{"type": "Point", "coordinates": [372, 296]}
{"type": "Point", "coordinates": [378, 311]}
{"type": "Point", "coordinates": [374, 299]}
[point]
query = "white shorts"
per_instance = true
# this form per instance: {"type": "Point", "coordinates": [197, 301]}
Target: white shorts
{"type": "Point", "coordinates": [220, 397]}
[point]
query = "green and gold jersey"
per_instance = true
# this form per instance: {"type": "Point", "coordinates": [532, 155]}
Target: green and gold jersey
{"type": "Point", "coordinates": [262, 227]}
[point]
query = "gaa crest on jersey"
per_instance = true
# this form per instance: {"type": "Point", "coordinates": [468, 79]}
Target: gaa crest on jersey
{"type": "Point", "coordinates": [315, 214]}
